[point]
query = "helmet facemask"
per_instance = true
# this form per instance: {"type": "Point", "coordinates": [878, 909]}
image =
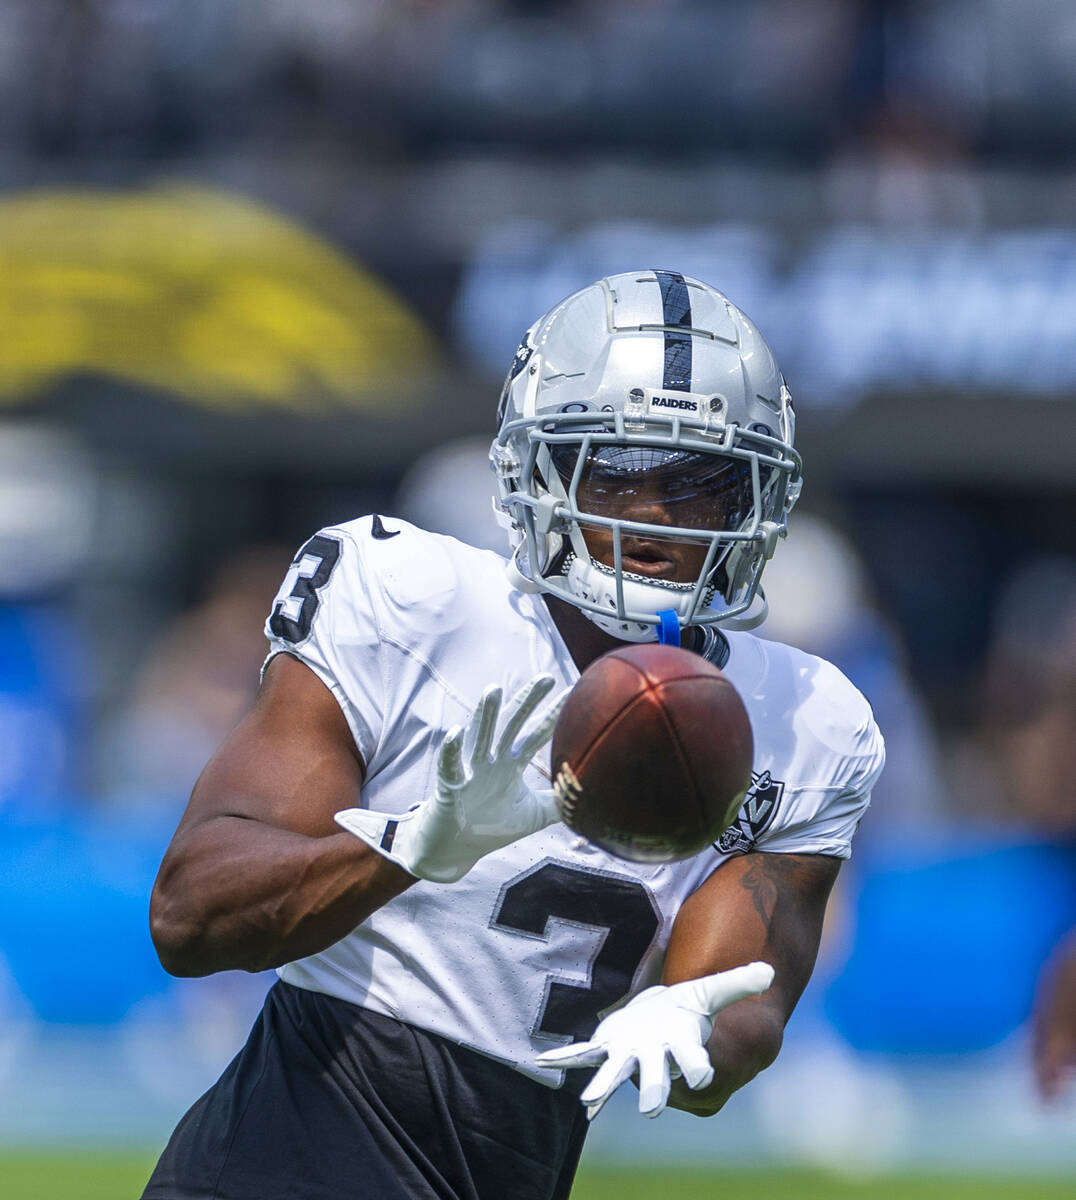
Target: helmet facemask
{"type": "Point", "coordinates": [628, 525]}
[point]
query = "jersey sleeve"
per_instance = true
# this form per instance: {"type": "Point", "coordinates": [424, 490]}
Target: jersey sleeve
{"type": "Point", "coordinates": [822, 815]}
{"type": "Point", "coordinates": [324, 615]}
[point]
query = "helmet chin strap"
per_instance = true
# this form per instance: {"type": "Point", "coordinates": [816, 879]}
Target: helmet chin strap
{"type": "Point", "coordinates": [519, 578]}
{"type": "Point", "coordinates": [755, 615]}
{"type": "Point", "coordinates": [519, 569]}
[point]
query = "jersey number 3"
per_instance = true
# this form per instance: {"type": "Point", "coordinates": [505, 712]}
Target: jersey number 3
{"type": "Point", "coordinates": [621, 906]}
{"type": "Point", "coordinates": [293, 614]}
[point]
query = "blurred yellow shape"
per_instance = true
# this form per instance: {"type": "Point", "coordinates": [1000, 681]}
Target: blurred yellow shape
{"type": "Point", "coordinates": [199, 293]}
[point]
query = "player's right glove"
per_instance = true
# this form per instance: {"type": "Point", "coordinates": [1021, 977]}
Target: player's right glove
{"type": "Point", "coordinates": [479, 806]}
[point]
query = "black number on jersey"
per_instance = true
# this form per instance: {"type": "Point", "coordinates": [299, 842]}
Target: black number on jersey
{"type": "Point", "coordinates": [293, 616]}
{"type": "Point", "coordinates": [620, 905]}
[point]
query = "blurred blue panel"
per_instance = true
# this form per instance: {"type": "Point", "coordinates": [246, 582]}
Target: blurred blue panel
{"type": "Point", "coordinates": [41, 672]}
{"type": "Point", "coordinates": [948, 946]}
{"type": "Point", "coordinates": [904, 311]}
{"type": "Point", "coordinates": [73, 918]}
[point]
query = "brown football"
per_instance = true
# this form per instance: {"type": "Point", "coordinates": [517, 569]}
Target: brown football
{"type": "Point", "coordinates": [651, 754]}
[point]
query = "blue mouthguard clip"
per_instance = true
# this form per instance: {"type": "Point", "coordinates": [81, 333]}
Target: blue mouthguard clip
{"type": "Point", "coordinates": [669, 629]}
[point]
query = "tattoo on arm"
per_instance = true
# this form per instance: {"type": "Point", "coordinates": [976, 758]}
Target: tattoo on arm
{"type": "Point", "coordinates": [776, 882]}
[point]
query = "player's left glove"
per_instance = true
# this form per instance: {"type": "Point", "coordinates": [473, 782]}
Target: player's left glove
{"type": "Point", "coordinates": [662, 1034]}
{"type": "Point", "coordinates": [480, 805]}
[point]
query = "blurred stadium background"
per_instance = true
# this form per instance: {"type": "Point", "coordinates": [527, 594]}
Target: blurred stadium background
{"type": "Point", "coordinates": [263, 264]}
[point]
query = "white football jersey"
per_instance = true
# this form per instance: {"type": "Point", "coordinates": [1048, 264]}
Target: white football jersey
{"type": "Point", "coordinates": [407, 628]}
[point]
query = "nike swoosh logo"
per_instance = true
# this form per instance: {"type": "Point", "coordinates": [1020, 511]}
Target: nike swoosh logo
{"type": "Point", "coordinates": [380, 532]}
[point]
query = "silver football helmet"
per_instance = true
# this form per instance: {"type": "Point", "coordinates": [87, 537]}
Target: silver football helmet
{"type": "Point", "coordinates": [642, 411]}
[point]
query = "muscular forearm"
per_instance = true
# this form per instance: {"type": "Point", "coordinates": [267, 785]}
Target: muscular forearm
{"type": "Point", "coordinates": [236, 894]}
{"type": "Point", "coordinates": [771, 909]}
{"type": "Point", "coordinates": [746, 1039]}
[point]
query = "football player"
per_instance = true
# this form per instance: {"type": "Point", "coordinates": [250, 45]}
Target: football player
{"type": "Point", "coordinates": [380, 827]}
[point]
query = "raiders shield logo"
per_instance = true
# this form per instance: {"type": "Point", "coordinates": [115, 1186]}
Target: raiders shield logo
{"type": "Point", "coordinates": [755, 815]}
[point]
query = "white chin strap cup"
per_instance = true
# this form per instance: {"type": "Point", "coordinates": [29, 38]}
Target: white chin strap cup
{"type": "Point", "coordinates": [586, 581]}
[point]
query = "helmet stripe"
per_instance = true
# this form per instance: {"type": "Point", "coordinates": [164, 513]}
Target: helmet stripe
{"type": "Point", "coordinates": [676, 315]}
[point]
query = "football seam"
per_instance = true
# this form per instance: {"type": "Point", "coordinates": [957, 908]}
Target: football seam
{"type": "Point", "coordinates": [700, 807]}
{"type": "Point", "coordinates": [651, 687]}
{"type": "Point", "coordinates": [608, 726]}
{"type": "Point", "coordinates": [651, 682]}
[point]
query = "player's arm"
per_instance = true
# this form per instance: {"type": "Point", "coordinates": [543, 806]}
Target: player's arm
{"type": "Point", "coordinates": [741, 952]}
{"type": "Point", "coordinates": [757, 907]}
{"type": "Point", "coordinates": [258, 873]}
{"type": "Point", "coordinates": [1054, 1042]}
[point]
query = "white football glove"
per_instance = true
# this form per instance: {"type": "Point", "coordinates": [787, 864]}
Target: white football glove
{"type": "Point", "coordinates": [477, 807]}
{"type": "Point", "coordinates": [662, 1034]}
